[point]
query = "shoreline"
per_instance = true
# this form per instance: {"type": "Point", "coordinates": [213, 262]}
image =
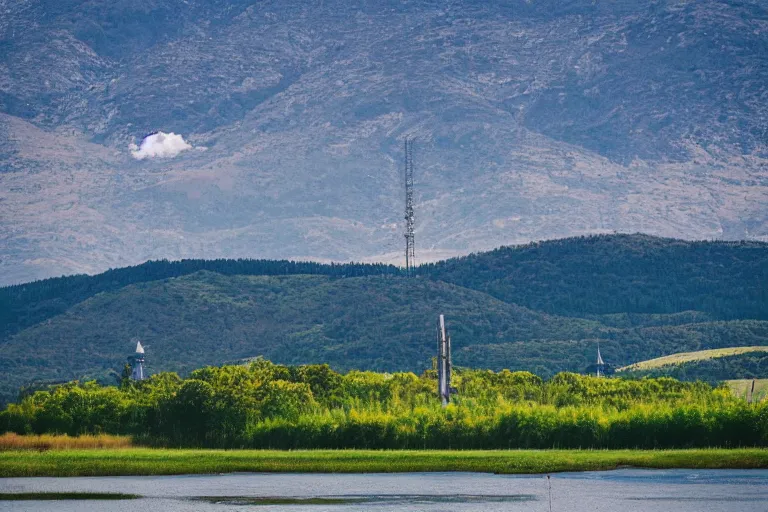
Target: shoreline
{"type": "Point", "coordinates": [154, 461]}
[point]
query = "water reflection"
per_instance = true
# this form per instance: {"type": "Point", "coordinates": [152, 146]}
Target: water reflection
{"type": "Point", "coordinates": [625, 490]}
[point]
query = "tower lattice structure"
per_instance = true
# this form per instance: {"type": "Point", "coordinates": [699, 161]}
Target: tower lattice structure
{"type": "Point", "coordinates": [410, 251]}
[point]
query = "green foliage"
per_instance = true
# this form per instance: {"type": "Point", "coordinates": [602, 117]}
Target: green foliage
{"type": "Point", "coordinates": [264, 405]}
{"type": "Point", "coordinates": [640, 297]}
{"type": "Point", "coordinates": [26, 304]}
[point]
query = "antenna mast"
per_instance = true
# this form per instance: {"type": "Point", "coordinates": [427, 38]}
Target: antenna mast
{"type": "Point", "coordinates": [410, 253]}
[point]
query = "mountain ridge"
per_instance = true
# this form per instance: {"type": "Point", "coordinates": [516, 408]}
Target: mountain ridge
{"type": "Point", "coordinates": [533, 121]}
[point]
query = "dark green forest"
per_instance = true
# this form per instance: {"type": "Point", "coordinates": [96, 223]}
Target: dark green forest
{"type": "Point", "coordinates": [540, 307]}
{"type": "Point", "coordinates": [620, 274]}
{"type": "Point", "coordinates": [600, 274]}
{"type": "Point", "coordinates": [26, 304]}
{"type": "Point", "coordinates": [263, 405]}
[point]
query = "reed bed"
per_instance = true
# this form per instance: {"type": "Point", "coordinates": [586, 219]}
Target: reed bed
{"type": "Point", "coordinates": [148, 461]}
{"type": "Point", "coordinates": [10, 441]}
{"type": "Point", "coordinates": [59, 496]}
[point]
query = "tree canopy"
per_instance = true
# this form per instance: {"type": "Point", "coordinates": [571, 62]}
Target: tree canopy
{"type": "Point", "coordinates": [265, 405]}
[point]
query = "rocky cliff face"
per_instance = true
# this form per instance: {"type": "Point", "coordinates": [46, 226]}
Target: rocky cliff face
{"type": "Point", "coordinates": [533, 120]}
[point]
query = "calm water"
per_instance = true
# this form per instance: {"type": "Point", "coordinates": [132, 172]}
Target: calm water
{"type": "Point", "coordinates": [621, 490]}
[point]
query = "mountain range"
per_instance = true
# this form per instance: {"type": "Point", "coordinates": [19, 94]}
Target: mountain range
{"type": "Point", "coordinates": [533, 119]}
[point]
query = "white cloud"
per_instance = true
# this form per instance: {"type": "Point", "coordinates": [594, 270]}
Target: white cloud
{"type": "Point", "coordinates": [159, 145]}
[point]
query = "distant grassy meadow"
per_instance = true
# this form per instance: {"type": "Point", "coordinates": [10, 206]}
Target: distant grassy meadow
{"type": "Point", "coordinates": [686, 357]}
{"type": "Point", "coordinates": [149, 461]}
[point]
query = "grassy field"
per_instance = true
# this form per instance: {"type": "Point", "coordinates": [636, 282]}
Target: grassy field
{"type": "Point", "coordinates": [741, 388]}
{"type": "Point", "coordinates": [685, 357]}
{"type": "Point", "coordinates": [148, 461]}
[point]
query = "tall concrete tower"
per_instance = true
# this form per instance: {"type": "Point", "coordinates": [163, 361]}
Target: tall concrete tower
{"type": "Point", "coordinates": [138, 363]}
{"type": "Point", "coordinates": [444, 389]}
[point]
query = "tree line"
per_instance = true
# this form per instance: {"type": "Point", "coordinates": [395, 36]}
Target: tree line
{"type": "Point", "coordinates": [26, 304]}
{"type": "Point", "coordinates": [579, 276]}
{"type": "Point", "coordinates": [608, 274]}
{"type": "Point", "coordinates": [265, 405]}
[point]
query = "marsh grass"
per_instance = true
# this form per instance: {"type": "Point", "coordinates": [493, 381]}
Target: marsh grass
{"type": "Point", "coordinates": [148, 461]}
{"type": "Point", "coordinates": [247, 500]}
{"type": "Point", "coordinates": [345, 500]}
{"type": "Point", "coordinates": [56, 496]}
{"type": "Point", "coordinates": [11, 441]}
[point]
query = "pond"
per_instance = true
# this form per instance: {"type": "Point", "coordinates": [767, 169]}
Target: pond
{"type": "Point", "coordinates": [626, 490]}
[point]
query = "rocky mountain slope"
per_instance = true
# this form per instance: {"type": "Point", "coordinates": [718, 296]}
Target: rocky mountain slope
{"type": "Point", "coordinates": [533, 120]}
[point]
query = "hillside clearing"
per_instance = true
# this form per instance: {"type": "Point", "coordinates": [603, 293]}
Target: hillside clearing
{"type": "Point", "coordinates": [685, 357]}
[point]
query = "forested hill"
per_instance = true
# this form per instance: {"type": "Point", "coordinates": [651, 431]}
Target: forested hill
{"type": "Point", "coordinates": [573, 276]}
{"type": "Point", "coordinates": [620, 274]}
{"type": "Point", "coordinates": [26, 304]}
{"type": "Point", "coordinates": [540, 307]}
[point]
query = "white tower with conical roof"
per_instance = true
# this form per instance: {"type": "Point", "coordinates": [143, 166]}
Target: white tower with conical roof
{"type": "Point", "coordinates": [600, 363]}
{"type": "Point", "coordinates": [138, 363]}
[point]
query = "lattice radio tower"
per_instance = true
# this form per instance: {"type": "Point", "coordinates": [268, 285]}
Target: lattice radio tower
{"type": "Point", "coordinates": [410, 253]}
